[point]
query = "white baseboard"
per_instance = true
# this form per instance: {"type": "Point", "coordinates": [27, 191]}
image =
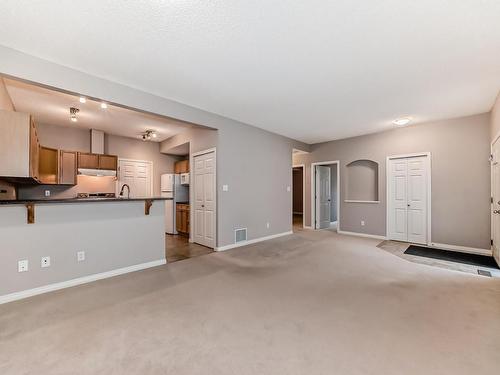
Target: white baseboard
{"type": "Point", "coordinates": [366, 235]}
{"type": "Point", "coordinates": [255, 240]}
{"type": "Point", "coordinates": [78, 281]}
{"type": "Point", "coordinates": [462, 249]}
{"type": "Point", "coordinates": [308, 227]}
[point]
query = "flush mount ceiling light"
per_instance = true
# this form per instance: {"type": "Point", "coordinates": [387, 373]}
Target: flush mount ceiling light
{"type": "Point", "coordinates": [72, 114]}
{"type": "Point", "coordinates": [402, 121]}
{"type": "Point", "coordinates": [148, 135]}
{"type": "Point", "coordinates": [104, 105]}
{"type": "Point", "coordinates": [83, 100]}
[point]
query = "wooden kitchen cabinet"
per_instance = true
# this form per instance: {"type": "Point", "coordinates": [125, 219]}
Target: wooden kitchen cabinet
{"type": "Point", "coordinates": [19, 146]}
{"type": "Point", "coordinates": [88, 161]}
{"type": "Point", "coordinates": [67, 167]}
{"type": "Point", "coordinates": [181, 167]}
{"type": "Point", "coordinates": [182, 218]}
{"type": "Point", "coordinates": [109, 162]}
{"type": "Point", "coordinates": [48, 165]}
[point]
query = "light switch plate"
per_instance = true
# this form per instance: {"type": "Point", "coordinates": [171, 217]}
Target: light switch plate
{"type": "Point", "coordinates": [288, 188]}
{"type": "Point", "coordinates": [225, 187]}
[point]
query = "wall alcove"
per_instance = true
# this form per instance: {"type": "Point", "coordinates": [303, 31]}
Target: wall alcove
{"type": "Point", "coordinates": [362, 181]}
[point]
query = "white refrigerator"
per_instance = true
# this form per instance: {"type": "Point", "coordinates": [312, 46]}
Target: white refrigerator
{"type": "Point", "coordinates": [171, 188]}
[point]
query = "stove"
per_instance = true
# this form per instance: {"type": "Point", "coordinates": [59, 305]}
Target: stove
{"type": "Point", "coordinates": [95, 195]}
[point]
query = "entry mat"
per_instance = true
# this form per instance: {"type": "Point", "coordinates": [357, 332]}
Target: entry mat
{"type": "Point", "coordinates": [453, 256]}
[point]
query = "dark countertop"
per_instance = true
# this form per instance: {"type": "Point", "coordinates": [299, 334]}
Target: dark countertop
{"type": "Point", "coordinates": [79, 200]}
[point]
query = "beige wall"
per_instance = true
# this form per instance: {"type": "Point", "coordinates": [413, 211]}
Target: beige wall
{"type": "Point", "coordinates": [5, 101]}
{"type": "Point", "coordinates": [460, 177]}
{"type": "Point", "coordinates": [495, 119]}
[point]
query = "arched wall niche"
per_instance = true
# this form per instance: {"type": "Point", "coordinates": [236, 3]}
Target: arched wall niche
{"type": "Point", "coordinates": [362, 181]}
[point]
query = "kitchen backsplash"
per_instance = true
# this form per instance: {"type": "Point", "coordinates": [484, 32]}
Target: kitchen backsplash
{"type": "Point", "coordinates": [86, 184]}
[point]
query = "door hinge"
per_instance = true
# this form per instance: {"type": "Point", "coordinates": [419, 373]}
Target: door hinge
{"type": "Point", "coordinates": [491, 199]}
{"type": "Point", "coordinates": [491, 242]}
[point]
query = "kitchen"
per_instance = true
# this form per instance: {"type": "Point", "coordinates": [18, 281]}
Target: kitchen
{"type": "Point", "coordinates": [62, 152]}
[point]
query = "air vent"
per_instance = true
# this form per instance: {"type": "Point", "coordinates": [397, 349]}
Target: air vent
{"type": "Point", "coordinates": [240, 235]}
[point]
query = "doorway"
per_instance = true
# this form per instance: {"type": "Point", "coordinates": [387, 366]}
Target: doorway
{"type": "Point", "coordinates": [495, 194]}
{"type": "Point", "coordinates": [325, 195]}
{"type": "Point", "coordinates": [409, 198]}
{"type": "Point", "coordinates": [298, 197]}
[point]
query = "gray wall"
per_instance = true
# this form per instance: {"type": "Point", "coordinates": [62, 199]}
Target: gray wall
{"type": "Point", "coordinates": [113, 235]}
{"type": "Point", "coordinates": [256, 164]}
{"type": "Point", "coordinates": [460, 177]}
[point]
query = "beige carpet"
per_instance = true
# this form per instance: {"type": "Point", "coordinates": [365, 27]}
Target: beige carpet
{"type": "Point", "coordinates": [309, 303]}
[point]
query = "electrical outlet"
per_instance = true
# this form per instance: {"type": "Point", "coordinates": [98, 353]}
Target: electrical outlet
{"type": "Point", "coordinates": [47, 193]}
{"type": "Point", "coordinates": [267, 225]}
{"type": "Point", "coordinates": [288, 188]}
{"type": "Point", "coordinates": [22, 265]}
{"type": "Point", "coordinates": [45, 262]}
{"type": "Point", "coordinates": [362, 223]}
{"type": "Point", "coordinates": [80, 256]}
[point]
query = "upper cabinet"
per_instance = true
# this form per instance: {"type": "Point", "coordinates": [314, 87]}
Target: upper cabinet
{"type": "Point", "coordinates": [67, 167]}
{"type": "Point", "coordinates": [109, 162]}
{"type": "Point", "coordinates": [19, 146]}
{"type": "Point", "coordinates": [181, 167]}
{"type": "Point", "coordinates": [88, 161]}
{"type": "Point", "coordinates": [49, 165]}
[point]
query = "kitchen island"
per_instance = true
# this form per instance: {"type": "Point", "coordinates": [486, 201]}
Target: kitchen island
{"type": "Point", "coordinates": [115, 235]}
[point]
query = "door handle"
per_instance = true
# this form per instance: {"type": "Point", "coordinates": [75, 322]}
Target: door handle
{"type": "Point", "coordinates": [496, 212]}
{"type": "Point", "coordinates": [202, 205]}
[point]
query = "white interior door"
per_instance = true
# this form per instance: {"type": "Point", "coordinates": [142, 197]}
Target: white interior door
{"type": "Point", "coordinates": [204, 199]}
{"type": "Point", "coordinates": [323, 197]}
{"type": "Point", "coordinates": [495, 206]}
{"type": "Point", "coordinates": [407, 206]}
{"type": "Point", "coordinates": [136, 174]}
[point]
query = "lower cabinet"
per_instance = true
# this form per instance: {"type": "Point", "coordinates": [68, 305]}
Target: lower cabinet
{"type": "Point", "coordinates": [182, 218]}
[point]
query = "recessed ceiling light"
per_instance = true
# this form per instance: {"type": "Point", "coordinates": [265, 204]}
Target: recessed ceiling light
{"type": "Point", "coordinates": [104, 105]}
{"type": "Point", "coordinates": [402, 121]}
{"type": "Point", "coordinates": [83, 100]}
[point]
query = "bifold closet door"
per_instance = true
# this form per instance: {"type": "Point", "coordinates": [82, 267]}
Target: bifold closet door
{"type": "Point", "coordinates": [407, 186]}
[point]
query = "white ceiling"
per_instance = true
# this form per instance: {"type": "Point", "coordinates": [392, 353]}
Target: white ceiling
{"type": "Point", "coordinates": [312, 70]}
{"type": "Point", "coordinates": [52, 107]}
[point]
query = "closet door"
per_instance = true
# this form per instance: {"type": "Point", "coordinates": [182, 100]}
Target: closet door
{"type": "Point", "coordinates": [407, 205]}
{"type": "Point", "coordinates": [398, 209]}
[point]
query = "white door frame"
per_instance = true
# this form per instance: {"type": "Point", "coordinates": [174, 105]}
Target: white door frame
{"type": "Point", "coordinates": [429, 190]}
{"type": "Point", "coordinates": [495, 139]}
{"type": "Point", "coordinates": [313, 191]}
{"type": "Point", "coordinates": [303, 166]}
{"type": "Point", "coordinates": [151, 182]}
{"type": "Point", "coordinates": [191, 192]}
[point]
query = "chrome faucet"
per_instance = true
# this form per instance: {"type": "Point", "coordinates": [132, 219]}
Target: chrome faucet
{"type": "Point", "coordinates": [128, 190]}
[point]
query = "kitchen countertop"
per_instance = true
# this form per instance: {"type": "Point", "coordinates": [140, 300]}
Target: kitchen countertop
{"type": "Point", "coordinates": [79, 200]}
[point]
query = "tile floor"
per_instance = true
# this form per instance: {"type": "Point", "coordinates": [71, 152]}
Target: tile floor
{"type": "Point", "coordinates": [178, 247]}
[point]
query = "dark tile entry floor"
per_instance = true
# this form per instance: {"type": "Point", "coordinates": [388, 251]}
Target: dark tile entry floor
{"type": "Point", "coordinates": [452, 256]}
{"type": "Point", "coordinates": [179, 248]}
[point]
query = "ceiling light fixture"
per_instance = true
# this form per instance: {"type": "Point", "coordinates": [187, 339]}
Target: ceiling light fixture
{"type": "Point", "coordinates": [148, 134]}
{"type": "Point", "coordinates": [72, 114]}
{"type": "Point", "coordinates": [104, 105]}
{"type": "Point", "coordinates": [402, 121]}
{"type": "Point", "coordinates": [83, 100]}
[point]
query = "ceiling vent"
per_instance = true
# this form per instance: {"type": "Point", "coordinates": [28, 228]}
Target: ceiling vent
{"type": "Point", "coordinates": [240, 235]}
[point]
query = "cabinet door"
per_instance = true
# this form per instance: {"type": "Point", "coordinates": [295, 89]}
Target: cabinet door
{"type": "Point", "coordinates": [67, 167]}
{"type": "Point", "coordinates": [178, 219]}
{"type": "Point", "coordinates": [34, 151]}
{"type": "Point", "coordinates": [88, 161]}
{"type": "Point", "coordinates": [49, 166]}
{"type": "Point", "coordinates": [109, 162]}
{"type": "Point", "coordinates": [181, 167]}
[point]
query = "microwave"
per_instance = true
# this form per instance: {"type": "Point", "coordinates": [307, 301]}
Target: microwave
{"type": "Point", "coordinates": [184, 178]}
